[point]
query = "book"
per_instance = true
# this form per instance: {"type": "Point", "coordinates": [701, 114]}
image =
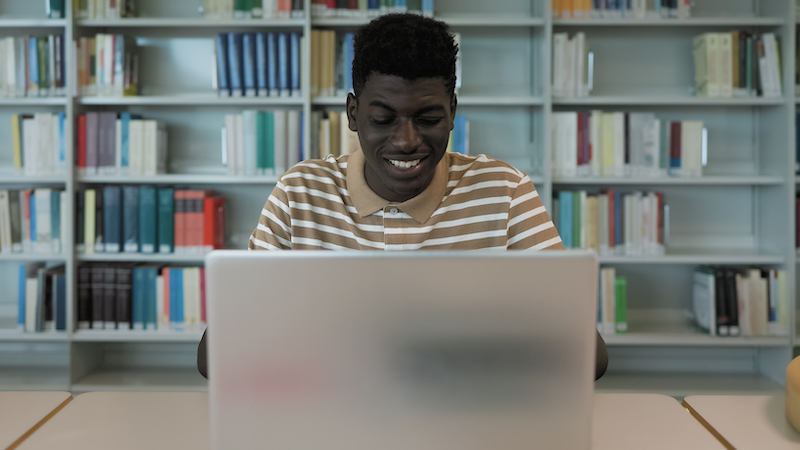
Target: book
{"type": "Point", "coordinates": [112, 219]}
{"type": "Point", "coordinates": [148, 219]}
{"type": "Point", "coordinates": [166, 213]}
{"type": "Point", "coordinates": [130, 219]}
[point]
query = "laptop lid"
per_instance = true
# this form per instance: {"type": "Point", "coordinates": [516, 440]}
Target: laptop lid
{"type": "Point", "coordinates": [401, 350]}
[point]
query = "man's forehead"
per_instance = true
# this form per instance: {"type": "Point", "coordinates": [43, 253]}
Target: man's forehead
{"type": "Point", "coordinates": [378, 83]}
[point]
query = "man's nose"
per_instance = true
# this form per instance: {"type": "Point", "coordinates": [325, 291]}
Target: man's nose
{"type": "Point", "coordinates": [406, 137]}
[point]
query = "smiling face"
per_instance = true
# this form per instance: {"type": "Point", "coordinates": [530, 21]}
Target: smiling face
{"type": "Point", "coordinates": [403, 127]}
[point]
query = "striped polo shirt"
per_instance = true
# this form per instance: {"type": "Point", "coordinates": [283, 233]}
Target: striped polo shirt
{"type": "Point", "coordinates": [473, 202]}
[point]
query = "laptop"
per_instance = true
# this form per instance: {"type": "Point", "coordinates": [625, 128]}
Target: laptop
{"type": "Point", "coordinates": [401, 350]}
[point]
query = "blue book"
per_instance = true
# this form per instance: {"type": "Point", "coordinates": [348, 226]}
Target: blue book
{"type": "Point", "coordinates": [272, 63]}
{"type": "Point", "coordinates": [130, 219]}
{"type": "Point", "coordinates": [150, 313]}
{"type": "Point", "coordinates": [373, 6]}
{"type": "Point", "coordinates": [400, 5]}
{"type": "Point", "coordinates": [618, 221]}
{"type": "Point", "coordinates": [32, 206]}
{"type": "Point", "coordinates": [166, 220]}
{"type": "Point", "coordinates": [348, 61]}
{"type": "Point", "coordinates": [60, 301]}
{"type": "Point", "coordinates": [62, 138]}
{"type": "Point", "coordinates": [249, 64]}
{"type": "Point", "coordinates": [565, 217]}
{"type": "Point", "coordinates": [294, 64]}
{"type": "Point", "coordinates": [33, 67]}
{"type": "Point", "coordinates": [55, 220]}
{"type": "Point", "coordinates": [112, 219]}
{"type": "Point", "coordinates": [460, 134]}
{"type": "Point", "coordinates": [261, 64]}
{"type": "Point", "coordinates": [224, 88]}
{"type": "Point", "coordinates": [148, 213]}
{"type": "Point", "coordinates": [176, 298]}
{"type": "Point", "coordinates": [235, 64]}
{"type": "Point", "coordinates": [21, 297]}
{"type": "Point", "coordinates": [427, 7]}
{"type": "Point", "coordinates": [125, 147]}
{"type": "Point", "coordinates": [283, 64]}
{"type": "Point", "coordinates": [138, 307]}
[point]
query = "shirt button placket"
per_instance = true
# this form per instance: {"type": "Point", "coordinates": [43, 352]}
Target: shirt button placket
{"type": "Point", "coordinates": [390, 213]}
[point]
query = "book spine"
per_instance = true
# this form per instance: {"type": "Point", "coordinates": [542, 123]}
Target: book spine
{"type": "Point", "coordinates": [112, 211]}
{"type": "Point", "coordinates": [98, 305]}
{"type": "Point", "coordinates": [84, 297]}
{"type": "Point", "coordinates": [130, 222]}
{"type": "Point", "coordinates": [124, 300]}
{"type": "Point", "coordinates": [261, 64]}
{"type": "Point", "coordinates": [109, 298]}
{"type": "Point", "coordinates": [222, 59]}
{"type": "Point", "coordinates": [166, 219]}
{"type": "Point", "coordinates": [283, 65]}
{"type": "Point", "coordinates": [249, 64]}
{"type": "Point", "coordinates": [235, 64]}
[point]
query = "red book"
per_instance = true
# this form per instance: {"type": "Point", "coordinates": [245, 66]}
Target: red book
{"type": "Point", "coordinates": [203, 296]}
{"type": "Point", "coordinates": [81, 150]}
{"type": "Point", "coordinates": [193, 219]}
{"type": "Point", "coordinates": [330, 5]}
{"type": "Point", "coordinates": [675, 145]}
{"type": "Point", "coordinates": [213, 223]}
{"type": "Point", "coordinates": [612, 235]}
{"type": "Point", "coordinates": [284, 8]}
{"type": "Point", "coordinates": [352, 4]}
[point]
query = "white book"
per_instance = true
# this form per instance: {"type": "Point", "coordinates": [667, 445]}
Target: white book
{"type": "Point", "coordinates": [57, 243]}
{"type": "Point", "coordinates": [150, 147]}
{"type": "Point", "coordinates": [569, 68]}
{"type": "Point", "coordinates": [250, 124]}
{"type": "Point", "coordinates": [555, 144]}
{"type": "Point", "coordinates": [162, 319]}
{"type": "Point", "coordinates": [113, 9]}
{"type": "Point", "coordinates": [10, 67]}
{"type": "Point", "coordinates": [581, 83]}
{"type": "Point", "coordinates": [281, 153]}
{"type": "Point", "coordinates": [725, 64]}
{"type": "Point", "coordinates": [31, 303]}
{"type": "Point", "coordinates": [608, 297]}
{"type": "Point", "coordinates": [640, 9]}
{"type": "Point", "coordinates": [293, 136]}
{"type": "Point", "coordinates": [691, 148]}
{"type": "Point", "coordinates": [230, 144]}
{"type": "Point", "coordinates": [595, 122]}
{"type": "Point", "coordinates": [270, 9]}
{"type": "Point", "coordinates": [5, 222]}
{"type": "Point", "coordinates": [713, 56]}
{"type": "Point", "coordinates": [30, 147]}
{"type": "Point", "coordinates": [3, 70]}
{"type": "Point", "coordinates": [619, 144]}
{"type": "Point", "coordinates": [638, 223]}
{"type": "Point", "coordinates": [42, 211]}
{"type": "Point", "coordinates": [109, 42]}
{"type": "Point", "coordinates": [240, 160]}
{"type": "Point", "coordinates": [773, 71]}
{"type": "Point", "coordinates": [559, 78]}
{"type": "Point", "coordinates": [636, 143]}
{"type": "Point", "coordinates": [136, 147]}
{"type": "Point", "coordinates": [162, 142]}
{"type": "Point", "coordinates": [758, 303]}
{"type": "Point", "coordinates": [569, 155]}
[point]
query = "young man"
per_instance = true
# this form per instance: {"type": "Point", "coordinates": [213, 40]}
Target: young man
{"type": "Point", "coordinates": [403, 190]}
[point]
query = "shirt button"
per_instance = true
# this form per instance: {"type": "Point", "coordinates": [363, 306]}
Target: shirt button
{"type": "Point", "coordinates": [393, 210]}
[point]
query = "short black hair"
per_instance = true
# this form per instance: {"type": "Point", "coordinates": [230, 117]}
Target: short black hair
{"type": "Point", "coordinates": [409, 46]}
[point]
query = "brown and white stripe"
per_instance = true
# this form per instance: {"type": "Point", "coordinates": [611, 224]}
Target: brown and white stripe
{"type": "Point", "coordinates": [487, 204]}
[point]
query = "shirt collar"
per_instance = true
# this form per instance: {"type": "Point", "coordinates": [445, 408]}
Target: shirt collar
{"type": "Point", "coordinates": [420, 208]}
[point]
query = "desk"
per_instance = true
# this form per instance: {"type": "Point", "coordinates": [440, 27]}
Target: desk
{"type": "Point", "coordinates": [127, 421]}
{"type": "Point", "coordinates": [22, 413]}
{"type": "Point", "coordinates": [745, 422]}
{"type": "Point", "coordinates": [646, 421]}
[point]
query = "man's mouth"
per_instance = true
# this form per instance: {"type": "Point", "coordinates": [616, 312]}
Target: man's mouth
{"type": "Point", "coordinates": [405, 164]}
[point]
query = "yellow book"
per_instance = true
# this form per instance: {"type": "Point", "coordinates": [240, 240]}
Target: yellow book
{"type": "Point", "coordinates": [330, 63]}
{"type": "Point", "coordinates": [567, 8]}
{"type": "Point", "coordinates": [89, 220]}
{"type": "Point", "coordinates": [16, 142]}
{"type": "Point", "coordinates": [315, 62]}
{"type": "Point", "coordinates": [735, 58]}
{"type": "Point", "coordinates": [556, 8]}
{"type": "Point", "coordinates": [335, 133]}
{"type": "Point", "coordinates": [592, 227]}
{"type": "Point", "coordinates": [607, 144]}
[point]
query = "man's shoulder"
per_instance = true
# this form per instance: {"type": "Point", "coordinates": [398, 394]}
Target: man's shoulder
{"type": "Point", "coordinates": [330, 168]}
{"type": "Point", "coordinates": [468, 166]}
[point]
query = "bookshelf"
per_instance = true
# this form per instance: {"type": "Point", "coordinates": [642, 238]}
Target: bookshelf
{"type": "Point", "coordinates": [741, 212]}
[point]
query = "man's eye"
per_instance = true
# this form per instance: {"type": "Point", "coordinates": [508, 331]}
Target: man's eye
{"type": "Point", "coordinates": [429, 120]}
{"type": "Point", "coordinates": [382, 120]}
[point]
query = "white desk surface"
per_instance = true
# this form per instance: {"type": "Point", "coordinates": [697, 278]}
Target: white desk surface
{"type": "Point", "coordinates": [21, 412]}
{"type": "Point", "coordinates": [747, 422]}
{"type": "Point", "coordinates": [127, 420]}
{"type": "Point", "coordinates": [646, 421]}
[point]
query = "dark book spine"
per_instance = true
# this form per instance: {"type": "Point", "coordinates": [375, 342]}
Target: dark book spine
{"type": "Point", "coordinates": [80, 217]}
{"type": "Point", "coordinates": [97, 303]}
{"type": "Point", "coordinates": [84, 297]}
{"type": "Point", "coordinates": [109, 298]}
{"type": "Point", "coordinates": [732, 301]}
{"type": "Point", "coordinates": [15, 216]}
{"type": "Point", "coordinates": [124, 303]}
{"type": "Point", "coordinates": [99, 245]}
{"type": "Point", "coordinates": [720, 304]}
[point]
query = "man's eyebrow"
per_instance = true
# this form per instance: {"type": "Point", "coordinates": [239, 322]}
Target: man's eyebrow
{"type": "Point", "coordinates": [421, 111]}
{"type": "Point", "coordinates": [381, 105]}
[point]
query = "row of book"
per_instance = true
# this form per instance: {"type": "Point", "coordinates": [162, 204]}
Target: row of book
{"type": "Point", "coordinates": [262, 142]}
{"type": "Point", "coordinates": [102, 9]}
{"type": "Point", "coordinates": [32, 220]}
{"type": "Point", "coordinates": [41, 298]}
{"type": "Point", "coordinates": [32, 66]}
{"type": "Point", "coordinates": [737, 64]}
{"type": "Point", "coordinates": [573, 65]}
{"type": "Point", "coordinates": [332, 67]}
{"type": "Point", "coordinates": [110, 143]}
{"type": "Point", "coordinates": [618, 9]}
{"type": "Point", "coordinates": [107, 65]}
{"type": "Point", "coordinates": [38, 143]}
{"type": "Point", "coordinates": [253, 9]}
{"type": "Point", "coordinates": [146, 219]}
{"type": "Point", "coordinates": [130, 297]}
{"type": "Point", "coordinates": [369, 8]}
{"type": "Point", "coordinates": [257, 64]}
{"type": "Point", "coordinates": [748, 301]}
{"type": "Point", "coordinates": [612, 223]}
{"type": "Point", "coordinates": [612, 302]}
{"type": "Point", "coordinates": [622, 144]}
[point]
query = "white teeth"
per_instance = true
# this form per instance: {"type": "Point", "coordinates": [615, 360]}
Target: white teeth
{"type": "Point", "coordinates": [405, 164]}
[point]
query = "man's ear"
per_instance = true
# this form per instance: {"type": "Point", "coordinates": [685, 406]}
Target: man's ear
{"type": "Point", "coordinates": [453, 105]}
{"type": "Point", "coordinates": [351, 109]}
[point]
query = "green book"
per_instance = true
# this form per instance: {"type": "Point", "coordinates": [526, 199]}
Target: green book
{"type": "Point", "coordinates": [166, 220]}
{"type": "Point", "coordinates": [241, 9]}
{"type": "Point", "coordinates": [148, 213]}
{"type": "Point", "coordinates": [621, 305]}
{"type": "Point", "coordinates": [257, 8]}
{"type": "Point", "coordinates": [261, 142]}
{"type": "Point", "coordinates": [269, 154]}
{"type": "Point", "coordinates": [576, 219]}
{"type": "Point", "coordinates": [363, 5]}
{"type": "Point", "coordinates": [44, 82]}
{"type": "Point", "coordinates": [55, 9]}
